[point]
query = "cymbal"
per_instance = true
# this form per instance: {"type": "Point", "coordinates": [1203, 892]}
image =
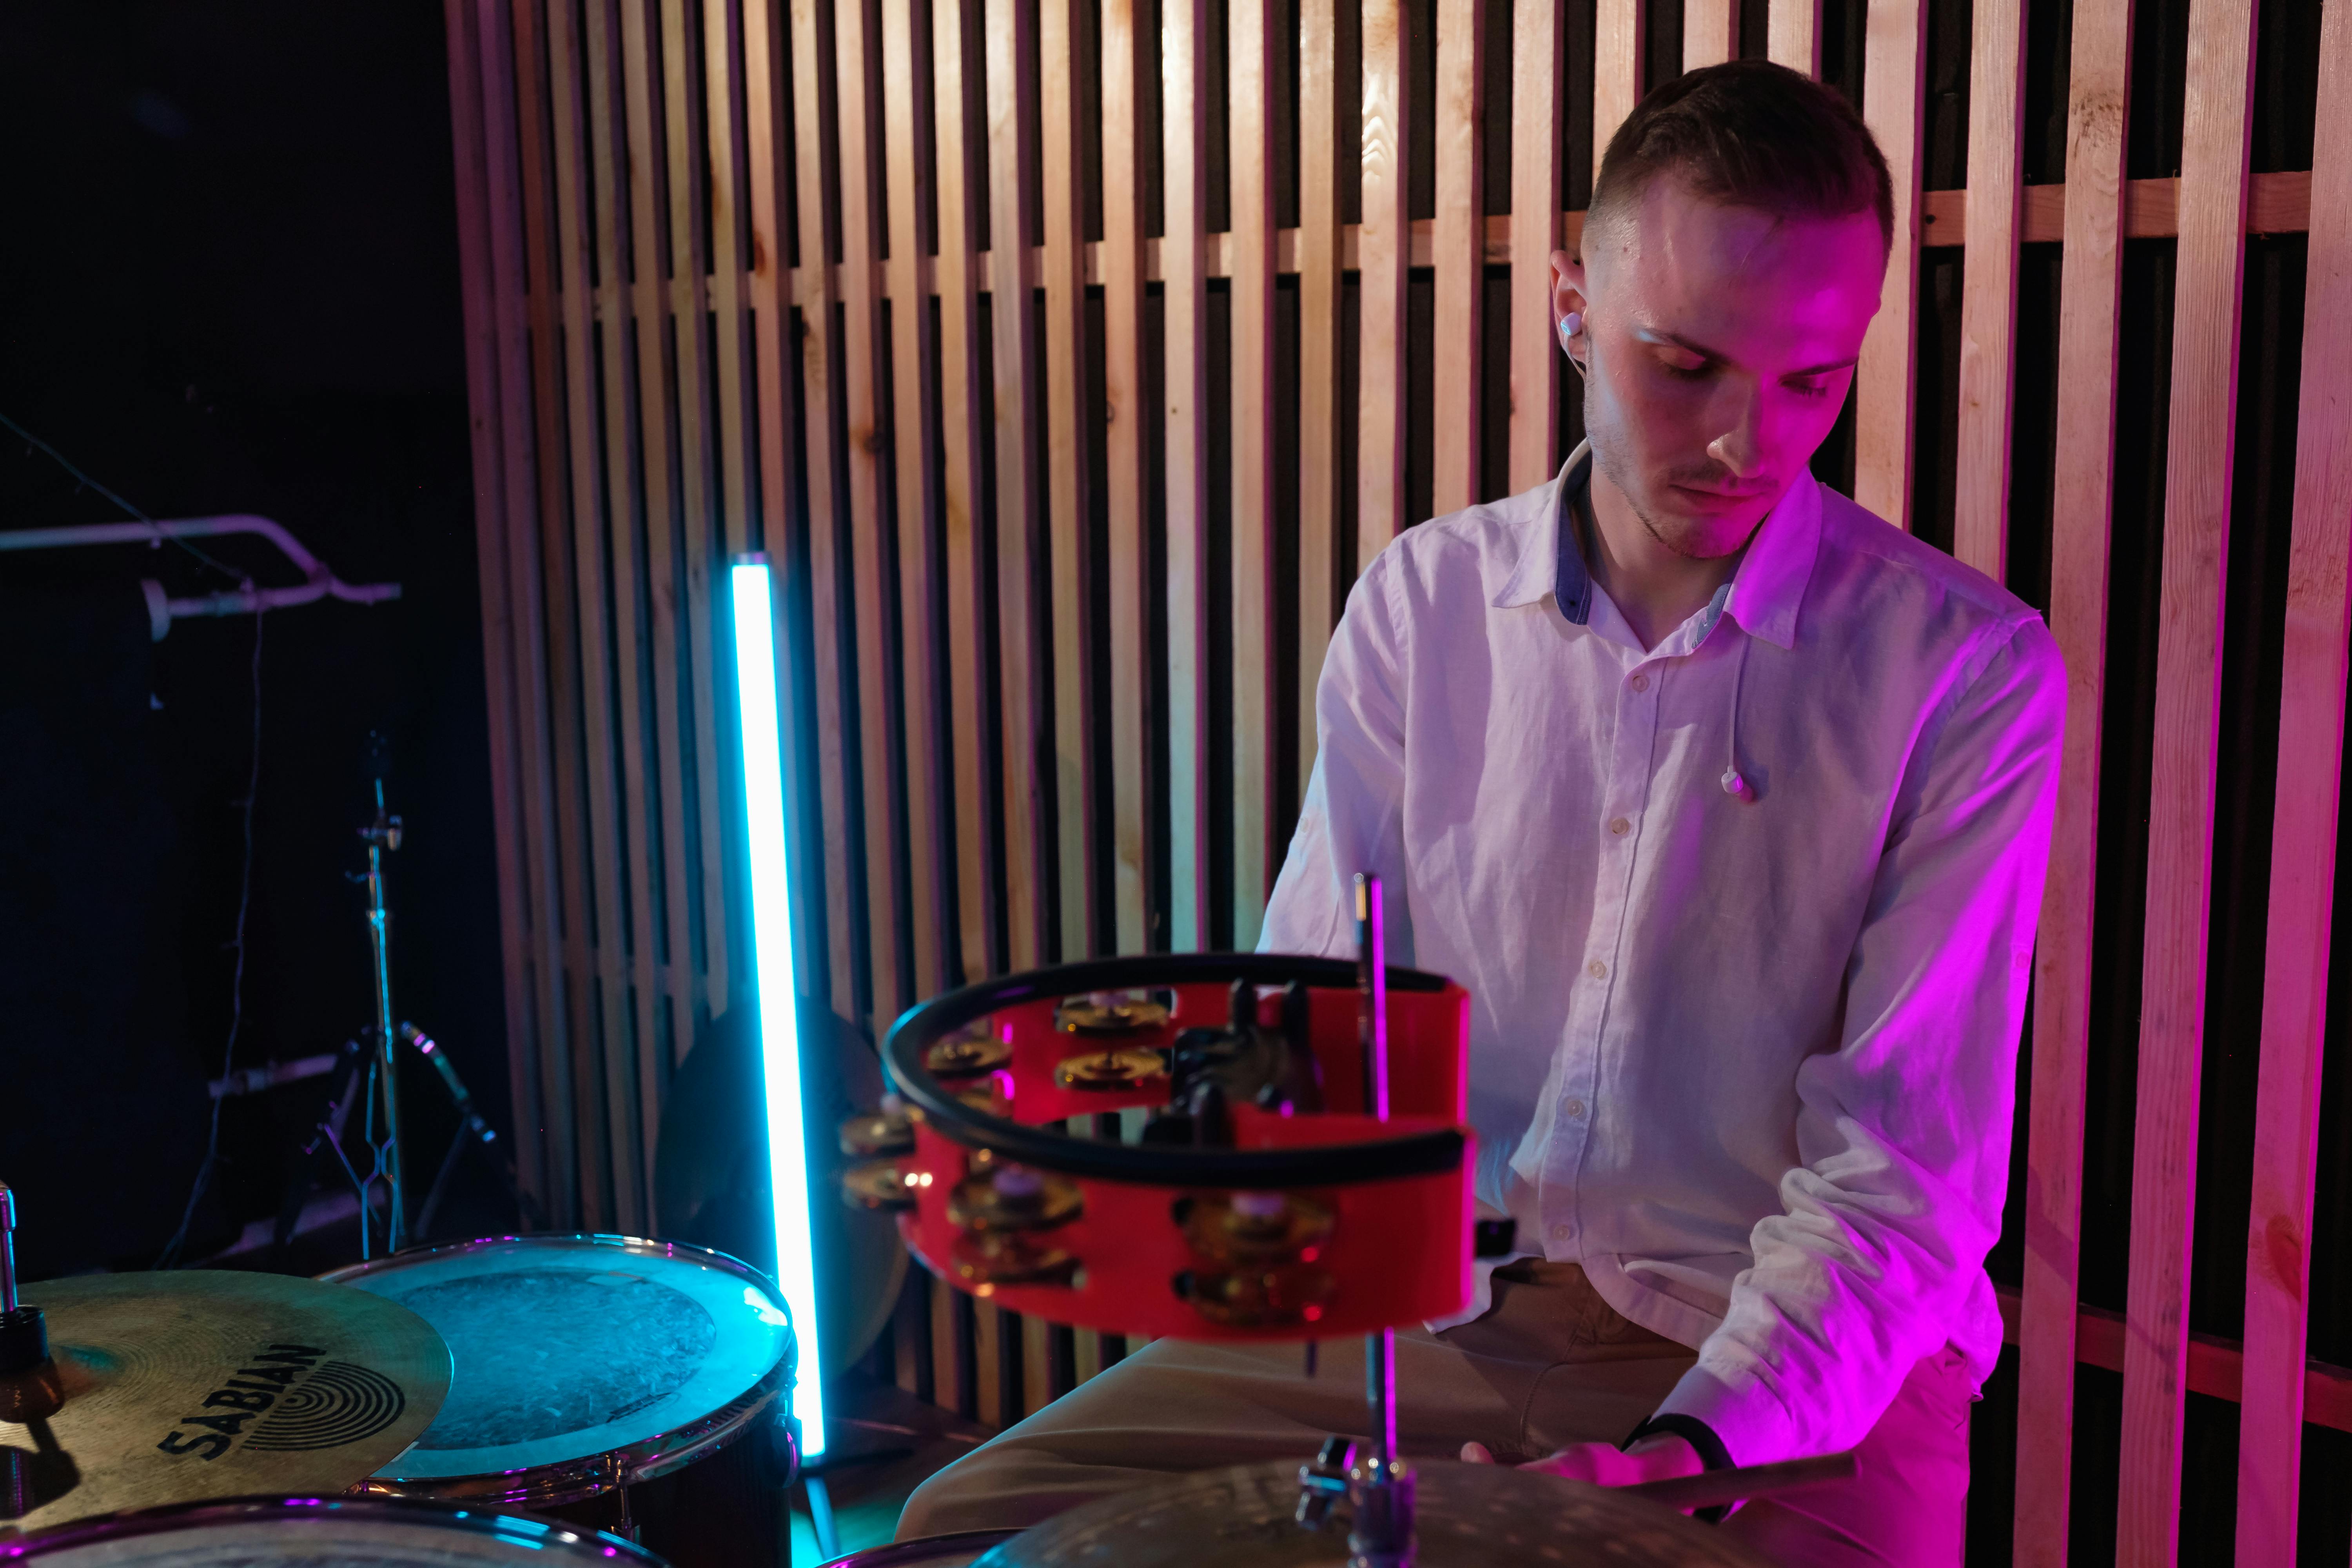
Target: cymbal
{"type": "Point", "coordinates": [208, 1383]}
{"type": "Point", "coordinates": [1465, 1516]}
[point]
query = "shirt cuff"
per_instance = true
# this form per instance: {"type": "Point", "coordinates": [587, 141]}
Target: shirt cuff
{"type": "Point", "coordinates": [1755, 1427]}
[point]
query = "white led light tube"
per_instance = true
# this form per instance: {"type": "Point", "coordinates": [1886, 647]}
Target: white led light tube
{"type": "Point", "coordinates": [777, 997]}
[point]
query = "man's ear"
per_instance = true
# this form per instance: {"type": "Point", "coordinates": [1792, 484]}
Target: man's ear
{"type": "Point", "coordinates": [1567, 285]}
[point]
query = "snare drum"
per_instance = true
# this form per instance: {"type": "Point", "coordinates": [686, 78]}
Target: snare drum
{"type": "Point", "coordinates": [581, 1364]}
{"type": "Point", "coordinates": [302, 1532]}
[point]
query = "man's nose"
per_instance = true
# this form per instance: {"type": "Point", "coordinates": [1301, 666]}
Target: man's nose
{"type": "Point", "coordinates": [1740, 447]}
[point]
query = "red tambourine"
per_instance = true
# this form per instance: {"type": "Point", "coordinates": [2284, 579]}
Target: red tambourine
{"type": "Point", "coordinates": [1254, 1201]}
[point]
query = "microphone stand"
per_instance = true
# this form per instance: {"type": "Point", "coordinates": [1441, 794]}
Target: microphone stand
{"type": "Point", "coordinates": [381, 835]}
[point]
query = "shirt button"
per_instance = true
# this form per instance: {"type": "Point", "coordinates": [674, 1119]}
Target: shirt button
{"type": "Point", "coordinates": [1575, 1107]}
{"type": "Point", "coordinates": [1596, 969]}
{"type": "Point", "coordinates": [1618, 826]}
{"type": "Point", "coordinates": [1562, 1232]}
{"type": "Point", "coordinates": [1640, 683]}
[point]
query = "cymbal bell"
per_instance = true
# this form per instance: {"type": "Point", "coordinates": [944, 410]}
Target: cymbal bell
{"type": "Point", "coordinates": [185, 1386]}
{"type": "Point", "coordinates": [1465, 1516]}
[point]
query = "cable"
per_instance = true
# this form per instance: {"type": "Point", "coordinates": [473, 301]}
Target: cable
{"type": "Point", "coordinates": [67, 464]}
{"type": "Point", "coordinates": [170, 1257]}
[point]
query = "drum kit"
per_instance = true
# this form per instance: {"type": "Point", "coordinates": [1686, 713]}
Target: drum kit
{"type": "Point", "coordinates": [1297, 1168]}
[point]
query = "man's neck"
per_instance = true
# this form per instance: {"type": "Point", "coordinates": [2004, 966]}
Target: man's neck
{"type": "Point", "coordinates": [1655, 588]}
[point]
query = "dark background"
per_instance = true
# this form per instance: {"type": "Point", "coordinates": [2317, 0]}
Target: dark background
{"type": "Point", "coordinates": [228, 283]}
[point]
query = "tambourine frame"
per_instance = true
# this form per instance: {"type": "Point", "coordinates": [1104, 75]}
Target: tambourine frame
{"type": "Point", "coordinates": [1393, 1199]}
{"type": "Point", "coordinates": [1420, 1153]}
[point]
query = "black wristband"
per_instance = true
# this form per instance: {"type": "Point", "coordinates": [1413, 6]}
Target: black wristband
{"type": "Point", "coordinates": [1701, 1437]}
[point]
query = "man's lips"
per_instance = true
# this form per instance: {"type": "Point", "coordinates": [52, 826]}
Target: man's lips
{"type": "Point", "coordinates": [1708, 498]}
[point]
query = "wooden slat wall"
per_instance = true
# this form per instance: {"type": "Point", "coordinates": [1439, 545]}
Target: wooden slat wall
{"type": "Point", "coordinates": [921, 299]}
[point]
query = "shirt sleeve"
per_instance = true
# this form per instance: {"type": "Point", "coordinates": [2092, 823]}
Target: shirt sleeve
{"type": "Point", "coordinates": [1351, 818]}
{"type": "Point", "coordinates": [1904, 1130]}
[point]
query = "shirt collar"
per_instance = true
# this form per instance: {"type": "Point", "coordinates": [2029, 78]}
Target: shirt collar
{"type": "Point", "coordinates": [1764, 593]}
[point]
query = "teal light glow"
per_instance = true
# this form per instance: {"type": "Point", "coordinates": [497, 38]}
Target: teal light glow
{"type": "Point", "coordinates": [777, 998]}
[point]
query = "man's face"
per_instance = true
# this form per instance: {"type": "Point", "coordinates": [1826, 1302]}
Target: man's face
{"type": "Point", "coordinates": [1719, 342]}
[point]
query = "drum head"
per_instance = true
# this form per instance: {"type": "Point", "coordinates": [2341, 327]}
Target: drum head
{"type": "Point", "coordinates": [303, 1533]}
{"type": "Point", "coordinates": [568, 1348]}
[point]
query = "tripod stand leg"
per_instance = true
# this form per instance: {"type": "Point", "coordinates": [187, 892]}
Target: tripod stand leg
{"type": "Point", "coordinates": [440, 1185]}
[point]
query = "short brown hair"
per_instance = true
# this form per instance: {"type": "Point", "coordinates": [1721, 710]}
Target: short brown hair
{"type": "Point", "coordinates": [1754, 134]}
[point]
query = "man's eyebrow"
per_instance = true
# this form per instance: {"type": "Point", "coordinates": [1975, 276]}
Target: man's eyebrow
{"type": "Point", "coordinates": [1660, 335]}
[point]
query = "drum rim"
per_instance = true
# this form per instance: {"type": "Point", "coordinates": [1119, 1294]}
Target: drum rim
{"type": "Point", "coordinates": [564, 1481]}
{"type": "Point", "coordinates": [165, 1517]}
{"type": "Point", "coordinates": [900, 1554]}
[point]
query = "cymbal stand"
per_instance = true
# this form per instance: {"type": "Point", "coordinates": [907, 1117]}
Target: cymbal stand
{"type": "Point", "coordinates": [382, 834]}
{"type": "Point", "coordinates": [1379, 1483]}
{"type": "Point", "coordinates": [472, 1130]}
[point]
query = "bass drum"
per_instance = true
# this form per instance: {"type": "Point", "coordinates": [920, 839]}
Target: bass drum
{"type": "Point", "coordinates": [304, 1532]}
{"type": "Point", "coordinates": [957, 1551]}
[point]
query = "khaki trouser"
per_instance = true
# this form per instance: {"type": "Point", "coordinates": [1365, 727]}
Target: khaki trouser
{"type": "Point", "coordinates": [1550, 1366]}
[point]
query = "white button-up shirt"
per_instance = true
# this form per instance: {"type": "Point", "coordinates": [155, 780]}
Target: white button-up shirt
{"type": "Point", "coordinates": [1748, 1058]}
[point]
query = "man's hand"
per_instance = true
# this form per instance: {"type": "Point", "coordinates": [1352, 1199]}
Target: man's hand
{"type": "Point", "coordinates": [1657, 1458]}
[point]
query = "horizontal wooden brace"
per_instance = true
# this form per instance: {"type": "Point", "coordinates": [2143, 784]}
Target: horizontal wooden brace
{"type": "Point", "coordinates": [2216, 1365]}
{"type": "Point", "coordinates": [2279, 204]}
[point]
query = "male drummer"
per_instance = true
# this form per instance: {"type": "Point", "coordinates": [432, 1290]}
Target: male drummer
{"type": "Point", "coordinates": [1729, 805]}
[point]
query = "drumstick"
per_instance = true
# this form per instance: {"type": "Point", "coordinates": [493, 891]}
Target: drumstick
{"type": "Point", "coordinates": [1718, 1486]}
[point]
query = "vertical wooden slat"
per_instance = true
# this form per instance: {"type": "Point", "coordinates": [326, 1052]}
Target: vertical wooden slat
{"type": "Point", "coordinates": [961, 441]}
{"type": "Point", "coordinates": [2303, 836]}
{"type": "Point", "coordinates": [1895, 64]}
{"type": "Point", "coordinates": [2303, 846]}
{"type": "Point", "coordinates": [2083, 504]}
{"type": "Point", "coordinates": [1068, 420]}
{"type": "Point", "coordinates": [1185, 296]}
{"type": "Point", "coordinates": [1252, 47]}
{"type": "Point", "coordinates": [1620, 60]}
{"type": "Point", "coordinates": [866, 423]}
{"type": "Point", "coordinates": [1459, 233]}
{"type": "Point", "coordinates": [1989, 290]}
{"type": "Point", "coordinates": [1793, 35]}
{"type": "Point", "coordinates": [1318, 353]}
{"type": "Point", "coordinates": [911, 1331]}
{"type": "Point", "coordinates": [1013, 206]}
{"type": "Point", "coordinates": [905, 122]}
{"type": "Point", "coordinates": [1383, 255]}
{"type": "Point", "coordinates": [681, 555]}
{"type": "Point", "coordinates": [1710, 32]}
{"type": "Point", "coordinates": [614, 741]}
{"type": "Point", "coordinates": [726, 529]}
{"type": "Point", "coordinates": [1537, 91]}
{"type": "Point", "coordinates": [557, 887]}
{"type": "Point", "coordinates": [2180, 817]}
{"type": "Point", "coordinates": [728, 32]}
{"type": "Point", "coordinates": [1036, 1365]}
{"type": "Point", "coordinates": [988, 1330]}
{"type": "Point", "coordinates": [946, 1357]}
{"type": "Point", "coordinates": [524, 908]}
{"type": "Point", "coordinates": [803, 372]}
{"type": "Point", "coordinates": [645, 590]}
{"type": "Point", "coordinates": [590, 884]}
